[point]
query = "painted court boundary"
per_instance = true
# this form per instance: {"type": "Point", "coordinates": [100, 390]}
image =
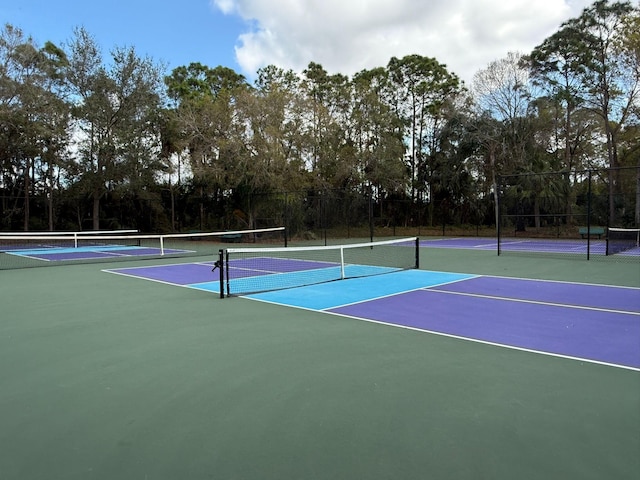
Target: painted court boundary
{"type": "Point", "coordinates": [586, 322]}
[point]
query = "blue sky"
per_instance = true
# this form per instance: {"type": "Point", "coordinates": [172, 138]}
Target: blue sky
{"type": "Point", "coordinates": [176, 33]}
{"type": "Point", "coordinates": [344, 36]}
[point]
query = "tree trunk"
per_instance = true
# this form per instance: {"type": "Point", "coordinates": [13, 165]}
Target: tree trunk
{"type": "Point", "coordinates": [637, 215]}
{"type": "Point", "coordinates": [96, 210]}
{"type": "Point", "coordinates": [27, 188]}
{"type": "Point", "coordinates": [50, 199]}
{"type": "Point", "coordinates": [536, 212]}
{"type": "Point", "coordinates": [494, 183]}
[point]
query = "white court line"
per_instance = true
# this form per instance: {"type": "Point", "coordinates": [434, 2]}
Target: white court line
{"type": "Point", "coordinates": [371, 299]}
{"type": "Point", "coordinates": [115, 272]}
{"type": "Point", "coordinates": [485, 342]}
{"type": "Point", "coordinates": [457, 337]}
{"type": "Point", "coordinates": [533, 302]}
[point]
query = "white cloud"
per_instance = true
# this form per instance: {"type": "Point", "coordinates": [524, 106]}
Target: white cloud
{"type": "Point", "coordinates": [225, 6]}
{"type": "Point", "coordinates": [346, 36]}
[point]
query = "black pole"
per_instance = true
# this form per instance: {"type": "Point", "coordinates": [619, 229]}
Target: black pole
{"type": "Point", "coordinates": [220, 265]}
{"type": "Point", "coordinates": [286, 216]}
{"type": "Point", "coordinates": [370, 214]}
{"type": "Point", "coordinates": [498, 208]}
{"type": "Point", "coordinates": [323, 214]}
{"type": "Point", "coordinates": [417, 252]}
{"type": "Point", "coordinates": [226, 262]}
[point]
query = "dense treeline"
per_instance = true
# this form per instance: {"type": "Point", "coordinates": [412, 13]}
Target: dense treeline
{"type": "Point", "coordinates": [94, 141]}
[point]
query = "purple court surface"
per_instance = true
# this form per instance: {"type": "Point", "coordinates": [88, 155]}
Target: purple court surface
{"type": "Point", "coordinates": [539, 245]}
{"type": "Point", "coordinates": [591, 323]}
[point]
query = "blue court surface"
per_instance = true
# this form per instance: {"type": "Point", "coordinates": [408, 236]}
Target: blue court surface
{"type": "Point", "coordinates": [57, 254]}
{"type": "Point", "coordinates": [584, 322]}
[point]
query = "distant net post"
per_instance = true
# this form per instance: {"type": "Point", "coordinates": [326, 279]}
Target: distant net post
{"type": "Point", "coordinates": [219, 265]}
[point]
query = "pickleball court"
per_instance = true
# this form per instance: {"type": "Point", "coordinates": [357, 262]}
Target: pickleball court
{"type": "Point", "coordinates": [595, 323]}
{"type": "Point", "coordinates": [472, 366]}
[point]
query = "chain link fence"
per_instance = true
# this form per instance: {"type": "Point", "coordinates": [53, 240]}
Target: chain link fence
{"type": "Point", "coordinates": [569, 213]}
{"type": "Point", "coordinates": [566, 213]}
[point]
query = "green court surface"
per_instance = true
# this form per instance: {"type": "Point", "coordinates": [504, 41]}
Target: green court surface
{"type": "Point", "coordinates": [109, 377]}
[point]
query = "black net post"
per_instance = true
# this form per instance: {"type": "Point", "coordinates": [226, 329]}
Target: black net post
{"type": "Point", "coordinates": [226, 277]}
{"type": "Point", "coordinates": [220, 265]}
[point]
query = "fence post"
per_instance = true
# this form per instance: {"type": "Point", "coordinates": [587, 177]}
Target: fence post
{"type": "Point", "coordinates": [286, 217]}
{"type": "Point", "coordinates": [498, 211]}
{"type": "Point", "coordinates": [589, 216]}
{"type": "Point", "coordinates": [370, 214]}
{"type": "Point", "coordinates": [221, 266]}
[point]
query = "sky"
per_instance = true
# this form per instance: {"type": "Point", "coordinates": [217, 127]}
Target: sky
{"type": "Point", "coordinates": [344, 36]}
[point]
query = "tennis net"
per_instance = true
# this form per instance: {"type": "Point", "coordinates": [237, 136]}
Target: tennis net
{"type": "Point", "coordinates": [19, 251]}
{"type": "Point", "coordinates": [620, 240]}
{"type": "Point", "coordinates": [63, 233]}
{"type": "Point", "coordinates": [252, 270]}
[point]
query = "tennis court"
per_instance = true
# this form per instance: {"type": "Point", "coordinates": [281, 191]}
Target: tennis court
{"type": "Point", "coordinates": [532, 245]}
{"type": "Point", "coordinates": [57, 254]}
{"type": "Point", "coordinates": [587, 322]}
{"type": "Point", "coordinates": [27, 249]}
{"type": "Point", "coordinates": [474, 366]}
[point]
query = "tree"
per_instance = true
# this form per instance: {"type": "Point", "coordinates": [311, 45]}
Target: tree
{"type": "Point", "coordinates": [115, 109]}
{"type": "Point", "coordinates": [378, 133]}
{"type": "Point", "coordinates": [331, 157]}
{"type": "Point", "coordinates": [501, 93]}
{"type": "Point", "coordinates": [524, 139]}
{"type": "Point", "coordinates": [608, 75]}
{"type": "Point", "coordinates": [211, 132]}
{"type": "Point", "coordinates": [54, 119]}
{"type": "Point", "coordinates": [16, 67]}
{"type": "Point", "coordinates": [629, 46]}
{"type": "Point", "coordinates": [421, 87]}
{"type": "Point", "coordinates": [171, 155]}
{"type": "Point", "coordinates": [278, 129]}
{"type": "Point", "coordinates": [34, 118]}
{"type": "Point", "coordinates": [556, 67]}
